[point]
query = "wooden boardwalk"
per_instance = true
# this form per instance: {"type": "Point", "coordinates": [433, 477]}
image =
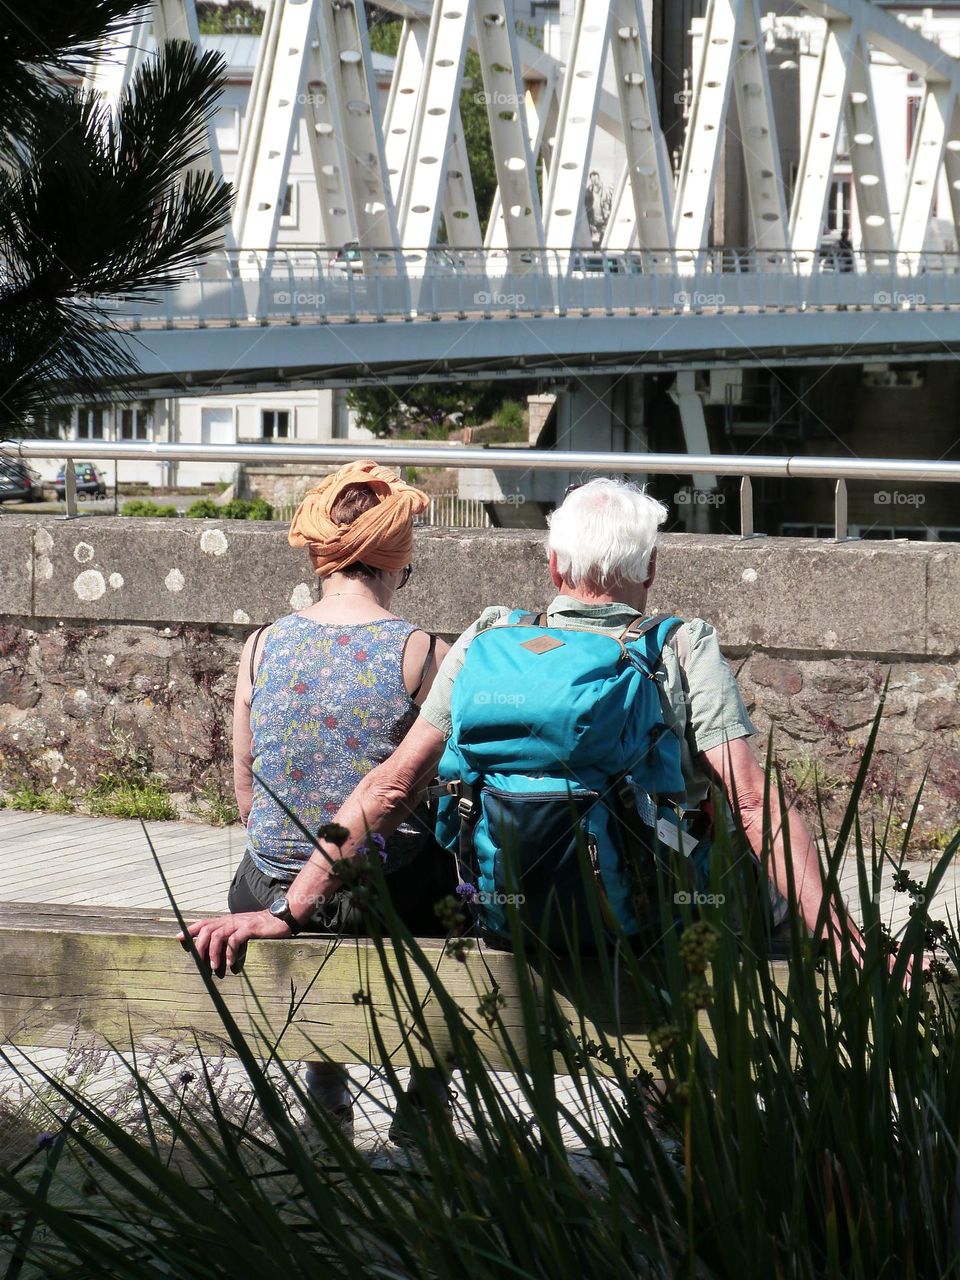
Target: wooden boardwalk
{"type": "Point", "coordinates": [59, 858]}
{"type": "Point", "coordinates": [106, 862]}
{"type": "Point", "coordinates": [69, 858]}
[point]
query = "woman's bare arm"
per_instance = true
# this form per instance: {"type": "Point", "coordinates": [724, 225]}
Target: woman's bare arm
{"type": "Point", "coordinates": [242, 737]}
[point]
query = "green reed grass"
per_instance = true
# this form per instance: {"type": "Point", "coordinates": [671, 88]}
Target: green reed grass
{"type": "Point", "coordinates": [818, 1139]}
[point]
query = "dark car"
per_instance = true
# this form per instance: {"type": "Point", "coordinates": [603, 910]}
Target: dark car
{"type": "Point", "coordinates": [19, 483]}
{"type": "Point", "coordinates": [90, 481]}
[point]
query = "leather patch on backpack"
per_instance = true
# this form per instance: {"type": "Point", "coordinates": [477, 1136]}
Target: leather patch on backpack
{"type": "Point", "coordinates": [543, 644]}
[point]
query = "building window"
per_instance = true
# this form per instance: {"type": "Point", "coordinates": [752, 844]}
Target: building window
{"type": "Point", "coordinates": [217, 426]}
{"type": "Point", "coordinates": [226, 124]}
{"type": "Point", "coordinates": [135, 423]}
{"type": "Point", "coordinates": [913, 116]}
{"type": "Point", "coordinates": [840, 206]}
{"type": "Point", "coordinates": [92, 423]}
{"type": "Point", "coordinates": [288, 210]}
{"type": "Point", "coordinates": [275, 424]}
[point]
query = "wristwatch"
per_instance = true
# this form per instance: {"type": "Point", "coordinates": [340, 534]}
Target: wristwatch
{"type": "Point", "coordinates": [281, 910]}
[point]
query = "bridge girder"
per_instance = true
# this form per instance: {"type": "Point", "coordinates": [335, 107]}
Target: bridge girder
{"type": "Point", "coordinates": [386, 176]}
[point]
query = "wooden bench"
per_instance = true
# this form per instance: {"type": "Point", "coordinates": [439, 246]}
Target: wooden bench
{"type": "Point", "coordinates": [81, 975]}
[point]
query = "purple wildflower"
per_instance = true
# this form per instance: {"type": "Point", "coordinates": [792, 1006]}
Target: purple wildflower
{"type": "Point", "coordinates": [45, 1140]}
{"type": "Point", "coordinates": [466, 891]}
{"type": "Point", "coordinates": [185, 1078]}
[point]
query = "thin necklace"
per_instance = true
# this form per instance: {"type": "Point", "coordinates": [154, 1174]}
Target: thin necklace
{"type": "Point", "coordinates": [357, 595]}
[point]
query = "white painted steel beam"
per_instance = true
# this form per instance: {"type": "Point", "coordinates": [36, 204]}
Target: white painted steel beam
{"type": "Point", "coordinates": [322, 114]}
{"type": "Point", "coordinates": [253, 121]}
{"type": "Point", "coordinates": [428, 158]}
{"type": "Point", "coordinates": [769, 227]}
{"type": "Point", "coordinates": [866, 159]}
{"type": "Point", "coordinates": [401, 113]}
{"type": "Point", "coordinates": [643, 204]}
{"type": "Point", "coordinates": [819, 149]}
{"type": "Point", "coordinates": [564, 203]}
{"type": "Point", "coordinates": [951, 166]}
{"type": "Point", "coordinates": [346, 49]}
{"type": "Point", "coordinates": [705, 127]}
{"type": "Point", "coordinates": [926, 157]}
{"type": "Point", "coordinates": [542, 108]}
{"type": "Point", "coordinates": [460, 218]}
{"type": "Point", "coordinates": [518, 199]}
{"type": "Point", "coordinates": [279, 124]}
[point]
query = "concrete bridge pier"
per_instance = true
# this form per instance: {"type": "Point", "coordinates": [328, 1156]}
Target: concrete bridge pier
{"type": "Point", "coordinates": [601, 414]}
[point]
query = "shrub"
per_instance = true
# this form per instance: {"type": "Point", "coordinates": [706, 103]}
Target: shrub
{"type": "Point", "coordinates": [510, 416]}
{"type": "Point", "coordinates": [144, 507]}
{"type": "Point", "coordinates": [260, 509]}
{"type": "Point", "coordinates": [131, 792]}
{"type": "Point", "coordinates": [45, 800]}
{"type": "Point", "coordinates": [203, 509]}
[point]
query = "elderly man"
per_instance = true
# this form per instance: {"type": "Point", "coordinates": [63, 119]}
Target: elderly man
{"type": "Point", "coordinates": [602, 556]}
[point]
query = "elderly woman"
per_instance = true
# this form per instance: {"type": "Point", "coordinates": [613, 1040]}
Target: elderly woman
{"type": "Point", "coordinates": [325, 695]}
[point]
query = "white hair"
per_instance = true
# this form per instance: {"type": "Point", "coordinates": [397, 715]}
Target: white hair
{"type": "Point", "coordinates": [604, 533]}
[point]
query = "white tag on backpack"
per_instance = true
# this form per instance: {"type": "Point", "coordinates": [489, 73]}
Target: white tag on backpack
{"type": "Point", "coordinates": [670, 834]}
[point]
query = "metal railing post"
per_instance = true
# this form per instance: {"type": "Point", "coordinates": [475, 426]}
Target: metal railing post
{"type": "Point", "coordinates": [746, 507]}
{"type": "Point", "coordinates": [840, 511]}
{"type": "Point", "coordinates": [70, 489]}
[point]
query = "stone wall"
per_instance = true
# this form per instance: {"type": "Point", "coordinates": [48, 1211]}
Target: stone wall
{"type": "Point", "coordinates": [121, 637]}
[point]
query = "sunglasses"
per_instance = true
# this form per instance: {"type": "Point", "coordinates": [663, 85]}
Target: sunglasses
{"type": "Point", "coordinates": [405, 577]}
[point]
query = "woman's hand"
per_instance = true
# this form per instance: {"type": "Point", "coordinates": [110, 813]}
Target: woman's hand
{"type": "Point", "coordinates": [222, 941]}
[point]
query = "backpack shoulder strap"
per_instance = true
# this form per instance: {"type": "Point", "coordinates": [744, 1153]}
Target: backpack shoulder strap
{"type": "Point", "coordinates": [253, 651]}
{"type": "Point", "coordinates": [521, 618]}
{"type": "Point", "coordinates": [664, 624]}
{"type": "Point", "coordinates": [431, 650]}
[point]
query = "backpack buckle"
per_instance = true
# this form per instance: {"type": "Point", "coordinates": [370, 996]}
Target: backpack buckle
{"type": "Point", "coordinates": [465, 808]}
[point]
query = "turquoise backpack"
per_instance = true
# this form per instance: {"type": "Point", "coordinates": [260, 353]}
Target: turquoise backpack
{"type": "Point", "coordinates": [559, 740]}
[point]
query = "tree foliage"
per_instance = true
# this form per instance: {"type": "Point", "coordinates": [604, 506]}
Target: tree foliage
{"type": "Point", "coordinates": [96, 208]}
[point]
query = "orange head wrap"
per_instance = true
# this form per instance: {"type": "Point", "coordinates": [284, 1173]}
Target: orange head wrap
{"type": "Point", "coordinates": [381, 537]}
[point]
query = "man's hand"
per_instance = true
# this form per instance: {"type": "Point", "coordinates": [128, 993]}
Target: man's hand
{"type": "Point", "coordinates": [222, 941]}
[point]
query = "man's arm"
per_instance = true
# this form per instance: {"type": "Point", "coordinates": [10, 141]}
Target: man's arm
{"type": "Point", "coordinates": [734, 766]}
{"type": "Point", "coordinates": [379, 801]}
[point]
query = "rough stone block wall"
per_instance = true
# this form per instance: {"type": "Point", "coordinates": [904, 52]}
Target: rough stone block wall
{"type": "Point", "coordinates": [119, 639]}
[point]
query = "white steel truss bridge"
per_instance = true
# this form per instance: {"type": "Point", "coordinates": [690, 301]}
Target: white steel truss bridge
{"type": "Point", "coordinates": [532, 290]}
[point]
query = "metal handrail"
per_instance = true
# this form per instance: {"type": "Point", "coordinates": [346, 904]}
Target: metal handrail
{"type": "Point", "coordinates": [295, 284]}
{"type": "Point", "coordinates": [745, 466]}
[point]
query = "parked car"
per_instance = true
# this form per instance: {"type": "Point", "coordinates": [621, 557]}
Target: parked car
{"type": "Point", "coordinates": [19, 483]}
{"type": "Point", "coordinates": [90, 481]}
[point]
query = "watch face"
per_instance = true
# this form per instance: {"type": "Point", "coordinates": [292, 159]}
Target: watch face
{"type": "Point", "coordinates": [278, 908]}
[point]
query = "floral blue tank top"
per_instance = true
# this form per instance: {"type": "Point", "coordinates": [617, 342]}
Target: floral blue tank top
{"type": "Point", "coordinates": [328, 705]}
